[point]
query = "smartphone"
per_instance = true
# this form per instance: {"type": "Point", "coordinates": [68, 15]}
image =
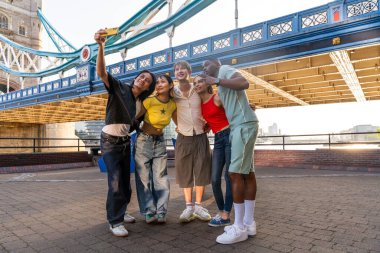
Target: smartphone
{"type": "Point", "coordinates": [111, 31]}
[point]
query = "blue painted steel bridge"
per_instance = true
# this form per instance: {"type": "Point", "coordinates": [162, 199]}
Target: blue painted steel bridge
{"type": "Point", "coordinates": [328, 54]}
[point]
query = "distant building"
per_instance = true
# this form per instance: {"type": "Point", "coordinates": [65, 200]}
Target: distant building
{"type": "Point", "coordinates": [363, 128]}
{"type": "Point", "coordinates": [19, 22]}
{"type": "Point", "coordinates": [169, 131]}
{"type": "Point", "coordinates": [89, 130]}
{"type": "Point", "coordinates": [360, 137]}
{"type": "Point", "coordinates": [261, 132]}
{"type": "Point", "coordinates": [92, 130]}
{"type": "Point", "coordinates": [273, 129]}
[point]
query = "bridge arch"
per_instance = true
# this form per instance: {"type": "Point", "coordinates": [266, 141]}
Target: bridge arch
{"type": "Point", "coordinates": [3, 85]}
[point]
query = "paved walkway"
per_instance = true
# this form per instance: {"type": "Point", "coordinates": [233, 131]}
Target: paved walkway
{"type": "Point", "coordinates": [296, 211]}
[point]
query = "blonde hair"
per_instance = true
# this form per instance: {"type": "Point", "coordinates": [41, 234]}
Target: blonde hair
{"type": "Point", "coordinates": [182, 64]}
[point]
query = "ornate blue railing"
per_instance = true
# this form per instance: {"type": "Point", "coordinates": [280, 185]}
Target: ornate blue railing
{"type": "Point", "coordinates": [321, 17]}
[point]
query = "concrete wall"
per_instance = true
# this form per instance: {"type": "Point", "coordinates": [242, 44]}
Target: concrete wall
{"type": "Point", "coordinates": [62, 130]}
{"type": "Point", "coordinates": [18, 130]}
{"type": "Point", "coordinates": [323, 159]}
{"type": "Point", "coordinates": [18, 163]}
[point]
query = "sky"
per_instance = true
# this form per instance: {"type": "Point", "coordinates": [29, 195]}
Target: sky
{"type": "Point", "coordinates": [77, 21]}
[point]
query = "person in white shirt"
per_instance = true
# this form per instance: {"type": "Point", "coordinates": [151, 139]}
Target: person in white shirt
{"type": "Point", "coordinates": [192, 152]}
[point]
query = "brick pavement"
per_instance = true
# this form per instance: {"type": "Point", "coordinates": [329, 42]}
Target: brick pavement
{"type": "Point", "coordinates": [296, 211]}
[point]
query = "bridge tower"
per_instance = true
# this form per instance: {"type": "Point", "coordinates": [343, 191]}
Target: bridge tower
{"type": "Point", "coordinates": [19, 22]}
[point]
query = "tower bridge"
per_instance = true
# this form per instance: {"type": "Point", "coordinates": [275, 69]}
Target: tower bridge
{"type": "Point", "coordinates": [327, 54]}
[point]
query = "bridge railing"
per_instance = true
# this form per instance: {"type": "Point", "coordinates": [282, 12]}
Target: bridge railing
{"type": "Point", "coordinates": [280, 142]}
{"type": "Point", "coordinates": [315, 141]}
{"type": "Point", "coordinates": [35, 144]}
{"type": "Point", "coordinates": [265, 32]}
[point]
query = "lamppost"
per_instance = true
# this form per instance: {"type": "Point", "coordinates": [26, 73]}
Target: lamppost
{"type": "Point", "coordinates": [236, 14]}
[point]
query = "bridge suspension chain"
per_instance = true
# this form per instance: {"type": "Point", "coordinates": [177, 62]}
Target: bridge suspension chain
{"type": "Point", "coordinates": [22, 61]}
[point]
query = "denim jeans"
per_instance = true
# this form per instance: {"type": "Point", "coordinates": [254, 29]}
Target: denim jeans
{"type": "Point", "coordinates": [152, 181]}
{"type": "Point", "coordinates": [221, 156]}
{"type": "Point", "coordinates": [116, 156]}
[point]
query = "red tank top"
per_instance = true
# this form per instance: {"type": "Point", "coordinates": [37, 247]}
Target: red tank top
{"type": "Point", "coordinates": [215, 116]}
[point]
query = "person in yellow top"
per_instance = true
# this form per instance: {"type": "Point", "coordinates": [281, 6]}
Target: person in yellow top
{"type": "Point", "coordinates": [152, 182]}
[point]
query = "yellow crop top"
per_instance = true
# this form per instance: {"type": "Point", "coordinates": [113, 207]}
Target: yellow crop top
{"type": "Point", "coordinates": [158, 114]}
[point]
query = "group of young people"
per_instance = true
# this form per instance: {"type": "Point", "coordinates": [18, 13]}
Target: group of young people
{"type": "Point", "coordinates": [195, 109]}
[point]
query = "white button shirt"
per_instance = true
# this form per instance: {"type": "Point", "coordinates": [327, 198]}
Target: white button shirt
{"type": "Point", "coordinates": [189, 112]}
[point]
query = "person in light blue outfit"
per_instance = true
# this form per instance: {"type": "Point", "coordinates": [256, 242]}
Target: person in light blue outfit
{"type": "Point", "coordinates": [244, 128]}
{"type": "Point", "coordinates": [152, 181]}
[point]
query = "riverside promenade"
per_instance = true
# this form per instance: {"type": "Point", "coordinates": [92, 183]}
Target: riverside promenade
{"type": "Point", "coordinates": [297, 210]}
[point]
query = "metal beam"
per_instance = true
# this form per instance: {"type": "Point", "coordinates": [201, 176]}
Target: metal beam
{"type": "Point", "coordinates": [346, 69]}
{"type": "Point", "coordinates": [255, 80]}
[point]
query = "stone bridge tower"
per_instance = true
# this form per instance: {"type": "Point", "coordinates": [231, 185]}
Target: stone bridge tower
{"type": "Point", "coordinates": [19, 22]}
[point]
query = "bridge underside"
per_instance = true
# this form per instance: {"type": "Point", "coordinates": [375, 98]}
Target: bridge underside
{"type": "Point", "coordinates": [73, 110]}
{"type": "Point", "coordinates": [310, 80]}
{"type": "Point", "coordinates": [317, 79]}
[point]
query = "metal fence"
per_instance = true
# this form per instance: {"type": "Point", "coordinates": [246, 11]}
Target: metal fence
{"type": "Point", "coordinates": [314, 141]}
{"type": "Point", "coordinates": [280, 142]}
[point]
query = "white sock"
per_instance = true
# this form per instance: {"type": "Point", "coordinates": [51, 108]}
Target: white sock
{"type": "Point", "coordinates": [189, 206]}
{"type": "Point", "coordinates": [197, 205]}
{"type": "Point", "coordinates": [239, 214]}
{"type": "Point", "coordinates": [249, 214]}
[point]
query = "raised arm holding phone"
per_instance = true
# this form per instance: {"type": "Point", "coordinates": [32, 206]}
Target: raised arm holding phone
{"type": "Point", "coordinates": [122, 108]}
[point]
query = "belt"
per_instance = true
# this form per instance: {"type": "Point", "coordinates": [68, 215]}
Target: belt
{"type": "Point", "coordinates": [114, 138]}
{"type": "Point", "coordinates": [150, 135]}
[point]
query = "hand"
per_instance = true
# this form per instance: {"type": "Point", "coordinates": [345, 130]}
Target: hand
{"type": "Point", "coordinates": [206, 128]}
{"type": "Point", "coordinates": [253, 107]}
{"type": "Point", "coordinates": [135, 125]}
{"type": "Point", "coordinates": [99, 38]}
{"type": "Point", "coordinates": [210, 80]}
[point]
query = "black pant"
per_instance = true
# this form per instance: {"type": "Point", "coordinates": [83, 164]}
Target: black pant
{"type": "Point", "coordinates": [116, 156]}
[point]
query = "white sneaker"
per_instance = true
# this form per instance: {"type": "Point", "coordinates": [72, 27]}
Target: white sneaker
{"type": "Point", "coordinates": [233, 235]}
{"type": "Point", "coordinates": [119, 231]}
{"type": "Point", "coordinates": [201, 213]}
{"type": "Point", "coordinates": [187, 215]}
{"type": "Point", "coordinates": [251, 229]}
{"type": "Point", "coordinates": [129, 218]}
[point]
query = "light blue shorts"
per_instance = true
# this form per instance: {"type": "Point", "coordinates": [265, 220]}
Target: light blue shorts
{"type": "Point", "coordinates": [243, 140]}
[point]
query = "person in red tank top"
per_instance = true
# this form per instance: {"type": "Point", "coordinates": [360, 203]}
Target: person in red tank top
{"type": "Point", "coordinates": [215, 116]}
